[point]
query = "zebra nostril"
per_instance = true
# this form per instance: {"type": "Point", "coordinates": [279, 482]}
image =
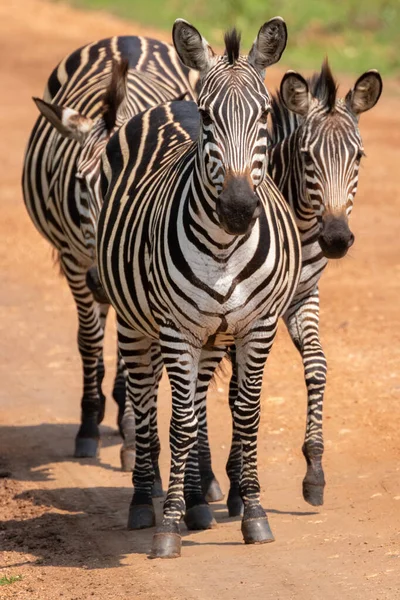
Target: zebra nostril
{"type": "Point", "coordinates": [351, 240]}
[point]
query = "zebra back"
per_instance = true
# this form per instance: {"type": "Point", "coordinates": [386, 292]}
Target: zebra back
{"type": "Point", "coordinates": [58, 198]}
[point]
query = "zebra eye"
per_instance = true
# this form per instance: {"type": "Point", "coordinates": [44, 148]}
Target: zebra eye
{"type": "Point", "coordinates": [308, 161]}
{"type": "Point", "coordinates": [207, 120]}
{"type": "Point", "coordinates": [360, 154]}
{"type": "Point", "coordinates": [264, 116]}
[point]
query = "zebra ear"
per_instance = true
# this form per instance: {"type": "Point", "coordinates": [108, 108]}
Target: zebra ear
{"type": "Point", "coordinates": [193, 50]}
{"type": "Point", "coordinates": [69, 122]}
{"type": "Point", "coordinates": [295, 93]}
{"type": "Point", "coordinates": [365, 93]}
{"type": "Point", "coordinates": [268, 45]}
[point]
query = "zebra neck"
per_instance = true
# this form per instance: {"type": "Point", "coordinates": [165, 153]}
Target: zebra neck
{"type": "Point", "coordinates": [286, 169]}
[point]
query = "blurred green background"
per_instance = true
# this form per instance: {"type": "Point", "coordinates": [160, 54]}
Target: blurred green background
{"type": "Point", "coordinates": [356, 35]}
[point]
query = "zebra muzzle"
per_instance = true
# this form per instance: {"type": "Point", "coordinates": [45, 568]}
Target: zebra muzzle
{"type": "Point", "coordinates": [336, 237]}
{"type": "Point", "coordinates": [238, 207]}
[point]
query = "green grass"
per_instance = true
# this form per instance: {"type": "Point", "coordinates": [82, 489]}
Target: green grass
{"type": "Point", "coordinates": [356, 35]}
{"type": "Point", "coordinates": [9, 580]}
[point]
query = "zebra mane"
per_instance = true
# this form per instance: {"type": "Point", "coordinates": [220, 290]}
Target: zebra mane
{"type": "Point", "coordinates": [322, 86]}
{"type": "Point", "coordinates": [115, 93]}
{"type": "Point", "coordinates": [232, 45]}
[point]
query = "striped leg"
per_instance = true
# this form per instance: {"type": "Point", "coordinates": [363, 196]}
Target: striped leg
{"type": "Point", "coordinates": [126, 416]}
{"type": "Point", "coordinates": [201, 485]}
{"type": "Point", "coordinates": [234, 464]}
{"type": "Point", "coordinates": [103, 312]}
{"type": "Point", "coordinates": [155, 447]}
{"type": "Point", "coordinates": [208, 363]}
{"type": "Point", "coordinates": [302, 321]}
{"type": "Point", "coordinates": [181, 358]}
{"type": "Point", "coordinates": [136, 351]}
{"type": "Point", "coordinates": [128, 450]}
{"type": "Point", "coordinates": [251, 354]}
{"type": "Point", "coordinates": [119, 390]}
{"type": "Point", "coordinates": [90, 344]}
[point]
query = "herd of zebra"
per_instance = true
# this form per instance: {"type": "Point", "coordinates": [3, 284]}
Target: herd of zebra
{"type": "Point", "coordinates": [176, 189]}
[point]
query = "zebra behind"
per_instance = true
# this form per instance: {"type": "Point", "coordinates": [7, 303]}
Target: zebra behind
{"type": "Point", "coordinates": [91, 93]}
{"type": "Point", "coordinates": [198, 250]}
{"type": "Point", "coordinates": [314, 159]}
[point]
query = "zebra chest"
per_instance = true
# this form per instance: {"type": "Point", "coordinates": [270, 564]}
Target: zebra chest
{"type": "Point", "coordinates": [205, 294]}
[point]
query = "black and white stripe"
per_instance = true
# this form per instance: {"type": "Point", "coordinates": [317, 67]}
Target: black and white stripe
{"type": "Point", "coordinates": [91, 93]}
{"type": "Point", "coordinates": [315, 155]}
{"type": "Point", "coordinates": [198, 250]}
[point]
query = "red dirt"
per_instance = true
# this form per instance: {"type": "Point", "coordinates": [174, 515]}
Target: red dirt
{"type": "Point", "coordinates": [63, 522]}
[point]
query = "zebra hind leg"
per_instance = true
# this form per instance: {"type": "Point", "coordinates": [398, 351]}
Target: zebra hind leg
{"type": "Point", "coordinates": [119, 390]}
{"type": "Point", "coordinates": [155, 446]}
{"type": "Point", "coordinates": [90, 343]}
{"type": "Point", "coordinates": [125, 418]}
{"type": "Point", "coordinates": [103, 312]}
{"type": "Point", "coordinates": [136, 352]}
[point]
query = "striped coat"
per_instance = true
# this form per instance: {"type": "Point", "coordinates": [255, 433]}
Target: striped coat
{"type": "Point", "coordinates": [197, 250]}
{"type": "Point", "coordinates": [90, 94]}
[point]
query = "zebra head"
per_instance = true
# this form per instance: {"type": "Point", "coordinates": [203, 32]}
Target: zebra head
{"type": "Point", "coordinates": [234, 104]}
{"type": "Point", "coordinates": [92, 134]}
{"type": "Point", "coordinates": [330, 147]}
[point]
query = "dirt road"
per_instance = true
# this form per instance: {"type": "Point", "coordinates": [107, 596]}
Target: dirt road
{"type": "Point", "coordinates": [62, 522]}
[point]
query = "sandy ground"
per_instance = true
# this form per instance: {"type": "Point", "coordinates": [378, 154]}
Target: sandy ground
{"type": "Point", "coordinates": [62, 522]}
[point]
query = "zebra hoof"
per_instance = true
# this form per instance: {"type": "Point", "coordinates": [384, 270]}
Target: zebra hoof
{"type": "Point", "coordinates": [313, 494]}
{"type": "Point", "coordinates": [166, 545]}
{"type": "Point", "coordinates": [86, 447]}
{"type": "Point", "coordinates": [213, 492]}
{"type": "Point", "coordinates": [157, 490]}
{"type": "Point", "coordinates": [199, 517]}
{"type": "Point", "coordinates": [257, 531]}
{"type": "Point", "coordinates": [235, 505]}
{"type": "Point", "coordinates": [127, 456]}
{"type": "Point", "coordinates": [141, 516]}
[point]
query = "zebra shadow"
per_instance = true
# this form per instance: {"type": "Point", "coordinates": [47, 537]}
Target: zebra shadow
{"type": "Point", "coordinates": [87, 527]}
{"type": "Point", "coordinates": [221, 515]}
{"type": "Point", "coordinates": [27, 451]}
{"type": "Point", "coordinates": [73, 527]}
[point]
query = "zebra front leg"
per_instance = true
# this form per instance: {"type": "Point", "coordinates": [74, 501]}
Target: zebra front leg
{"type": "Point", "coordinates": [90, 344]}
{"type": "Point", "coordinates": [251, 354]}
{"type": "Point", "coordinates": [136, 352]}
{"type": "Point", "coordinates": [210, 359]}
{"type": "Point", "coordinates": [201, 486]}
{"type": "Point", "coordinates": [181, 358]}
{"type": "Point", "coordinates": [234, 464]}
{"type": "Point", "coordinates": [302, 321]}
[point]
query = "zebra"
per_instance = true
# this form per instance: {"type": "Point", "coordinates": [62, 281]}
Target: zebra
{"type": "Point", "coordinates": [89, 95]}
{"type": "Point", "coordinates": [197, 249]}
{"type": "Point", "coordinates": [314, 159]}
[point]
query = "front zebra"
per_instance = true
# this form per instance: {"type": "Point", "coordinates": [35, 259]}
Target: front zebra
{"type": "Point", "coordinates": [198, 250]}
{"type": "Point", "coordinates": [88, 95]}
{"type": "Point", "coordinates": [314, 160]}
